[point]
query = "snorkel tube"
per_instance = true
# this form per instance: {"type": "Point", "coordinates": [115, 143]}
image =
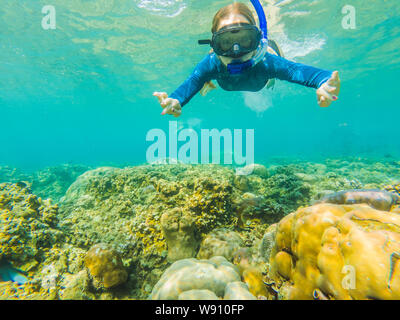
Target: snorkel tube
{"type": "Point", "coordinates": [238, 68]}
{"type": "Point", "coordinates": [261, 17]}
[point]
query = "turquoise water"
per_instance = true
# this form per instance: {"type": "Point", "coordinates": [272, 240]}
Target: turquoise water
{"type": "Point", "coordinates": [82, 93]}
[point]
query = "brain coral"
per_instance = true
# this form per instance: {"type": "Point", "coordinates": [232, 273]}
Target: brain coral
{"type": "Point", "coordinates": [190, 274]}
{"type": "Point", "coordinates": [330, 251]}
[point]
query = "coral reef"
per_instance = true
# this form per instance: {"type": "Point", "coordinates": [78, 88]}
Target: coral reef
{"type": "Point", "coordinates": [76, 287]}
{"type": "Point", "coordinates": [26, 226]}
{"type": "Point", "coordinates": [51, 182]}
{"type": "Point", "coordinates": [105, 266]}
{"type": "Point", "coordinates": [186, 275]}
{"type": "Point", "coordinates": [350, 173]}
{"type": "Point", "coordinates": [116, 231]}
{"type": "Point", "coordinates": [157, 214]}
{"type": "Point", "coordinates": [337, 252]}
{"type": "Point", "coordinates": [253, 169]}
{"type": "Point", "coordinates": [12, 175]}
{"type": "Point", "coordinates": [32, 242]}
{"type": "Point", "coordinates": [283, 192]}
{"type": "Point", "coordinates": [148, 213]}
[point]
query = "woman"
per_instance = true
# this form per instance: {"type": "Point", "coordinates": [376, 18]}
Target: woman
{"type": "Point", "coordinates": [241, 62]}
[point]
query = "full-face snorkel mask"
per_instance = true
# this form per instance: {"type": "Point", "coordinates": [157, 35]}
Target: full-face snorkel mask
{"type": "Point", "coordinates": [239, 39]}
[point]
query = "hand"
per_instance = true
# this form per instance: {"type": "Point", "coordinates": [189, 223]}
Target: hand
{"type": "Point", "coordinates": [208, 86]}
{"type": "Point", "coordinates": [170, 106]}
{"type": "Point", "coordinates": [329, 91]}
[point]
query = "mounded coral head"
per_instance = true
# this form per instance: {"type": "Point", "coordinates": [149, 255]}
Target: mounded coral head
{"type": "Point", "coordinates": [220, 242]}
{"type": "Point", "coordinates": [105, 266]}
{"type": "Point", "coordinates": [198, 295]}
{"type": "Point", "coordinates": [378, 199]}
{"type": "Point", "coordinates": [179, 231]}
{"type": "Point", "coordinates": [191, 274]}
{"type": "Point", "coordinates": [238, 291]}
{"type": "Point", "coordinates": [339, 252]}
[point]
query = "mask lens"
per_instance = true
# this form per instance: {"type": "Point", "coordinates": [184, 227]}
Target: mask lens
{"type": "Point", "coordinates": [247, 38]}
{"type": "Point", "coordinates": [225, 44]}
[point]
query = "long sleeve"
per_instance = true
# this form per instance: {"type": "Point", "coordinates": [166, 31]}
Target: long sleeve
{"type": "Point", "coordinates": [283, 69]}
{"type": "Point", "coordinates": [203, 72]}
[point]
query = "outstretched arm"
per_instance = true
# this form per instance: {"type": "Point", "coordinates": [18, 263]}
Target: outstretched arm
{"type": "Point", "coordinates": [181, 96]}
{"type": "Point", "coordinates": [192, 85]}
{"type": "Point", "coordinates": [327, 82]}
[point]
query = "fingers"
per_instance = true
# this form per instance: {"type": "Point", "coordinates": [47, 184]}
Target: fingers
{"type": "Point", "coordinates": [334, 82]}
{"type": "Point", "coordinates": [161, 96]}
{"type": "Point", "coordinates": [167, 102]}
{"type": "Point", "coordinates": [334, 78]}
{"type": "Point", "coordinates": [322, 91]}
{"type": "Point", "coordinates": [169, 105]}
{"type": "Point", "coordinates": [172, 111]}
{"type": "Point", "coordinates": [329, 88]}
{"type": "Point", "coordinates": [212, 85]}
{"type": "Point", "coordinates": [163, 100]}
{"type": "Point", "coordinates": [172, 107]}
{"type": "Point", "coordinates": [177, 113]}
{"type": "Point", "coordinates": [323, 102]}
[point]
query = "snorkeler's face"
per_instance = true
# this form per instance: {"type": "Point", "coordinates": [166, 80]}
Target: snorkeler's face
{"type": "Point", "coordinates": [230, 20]}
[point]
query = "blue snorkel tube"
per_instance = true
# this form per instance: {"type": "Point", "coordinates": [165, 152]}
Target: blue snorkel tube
{"type": "Point", "coordinates": [261, 17]}
{"type": "Point", "coordinates": [238, 68]}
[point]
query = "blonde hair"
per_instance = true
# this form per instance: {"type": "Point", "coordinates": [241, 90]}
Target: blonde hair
{"type": "Point", "coordinates": [234, 8]}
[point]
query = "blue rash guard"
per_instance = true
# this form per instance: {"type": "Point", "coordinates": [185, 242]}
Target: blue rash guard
{"type": "Point", "coordinates": [252, 79]}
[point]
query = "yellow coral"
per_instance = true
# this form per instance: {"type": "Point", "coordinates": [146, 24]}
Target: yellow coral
{"type": "Point", "coordinates": [254, 279]}
{"type": "Point", "coordinates": [251, 274]}
{"type": "Point", "coordinates": [338, 252]}
{"type": "Point", "coordinates": [396, 209]}
{"type": "Point", "coordinates": [105, 265]}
